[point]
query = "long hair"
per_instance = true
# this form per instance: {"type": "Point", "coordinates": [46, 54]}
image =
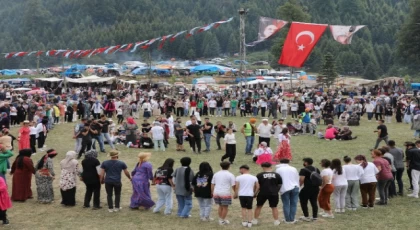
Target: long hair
{"type": "Point", "coordinates": [168, 164]}
{"type": "Point", "coordinates": [22, 154]}
{"type": "Point", "coordinates": [205, 168]}
{"type": "Point", "coordinates": [336, 164]}
{"type": "Point", "coordinates": [363, 159]}
{"type": "Point", "coordinates": [186, 161]}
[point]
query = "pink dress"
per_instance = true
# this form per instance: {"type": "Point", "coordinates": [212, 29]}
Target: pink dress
{"type": "Point", "coordinates": [283, 150]}
{"type": "Point", "coordinates": [5, 202]}
{"type": "Point", "coordinates": [24, 138]}
{"type": "Point", "coordinates": [265, 157]}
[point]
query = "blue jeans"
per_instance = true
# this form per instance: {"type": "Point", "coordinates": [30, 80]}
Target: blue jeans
{"type": "Point", "coordinates": [207, 137]}
{"type": "Point", "coordinates": [158, 143]}
{"type": "Point", "coordinates": [185, 112]}
{"type": "Point", "coordinates": [254, 111]}
{"type": "Point", "coordinates": [249, 144]}
{"type": "Point", "coordinates": [164, 198]}
{"type": "Point", "coordinates": [184, 205]}
{"type": "Point", "coordinates": [370, 115]}
{"type": "Point", "coordinates": [290, 200]}
{"type": "Point", "coordinates": [100, 141]}
{"type": "Point", "coordinates": [105, 136]}
{"type": "Point", "coordinates": [219, 111]}
{"type": "Point", "coordinates": [233, 111]}
{"type": "Point", "coordinates": [205, 207]}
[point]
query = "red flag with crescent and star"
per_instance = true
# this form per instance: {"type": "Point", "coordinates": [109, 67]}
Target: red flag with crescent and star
{"type": "Point", "coordinates": [299, 43]}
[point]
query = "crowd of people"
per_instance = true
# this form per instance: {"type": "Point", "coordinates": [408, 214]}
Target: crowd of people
{"type": "Point", "coordinates": [94, 114]}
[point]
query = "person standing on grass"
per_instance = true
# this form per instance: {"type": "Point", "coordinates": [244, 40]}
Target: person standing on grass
{"type": "Point", "coordinates": [327, 188]}
{"type": "Point", "coordinates": [310, 190]}
{"type": "Point", "coordinates": [289, 190]}
{"type": "Point", "coordinates": [179, 135]}
{"type": "Point", "coordinates": [221, 185]}
{"type": "Point", "coordinates": [264, 132]}
{"type": "Point", "coordinates": [382, 131]}
{"type": "Point", "coordinates": [245, 189]}
{"type": "Point", "coordinates": [367, 181]}
{"type": "Point", "coordinates": [207, 128]}
{"type": "Point", "coordinates": [164, 185]}
{"type": "Point", "coordinates": [230, 146]}
{"type": "Point", "coordinates": [68, 179]}
{"type": "Point", "coordinates": [202, 189]}
{"type": "Point", "coordinates": [195, 135]}
{"type": "Point", "coordinates": [45, 176]}
{"type": "Point", "coordinates": [183, 177]}
{"type": "Point", "coordinates": [141, 176]}
{"type": "Point", "coordinates": [413, 163]}
{"type": "Point", "coordinates": [249, 131]}
{"type": "Point", "coordinates": [5, 202]}
{"type": "Point", "coordinates": [220, 133]}
{"type": "Point", "coordinates": [104, 123]}
{"type": "Point", "coordinates": [384, 176]}
{"type": "Point", "coordinates": [340, 185]}
{"type": "Point", "coordinates": [353, 175]}
{"type": "Point", "coordinates": [111, 176]}
{"type": "Point", "coordinates": [22, 170]}
{"type": "Point", "coordinates": [269, 187]}
{"type": "Point", "coordinates": [398, 155]}
{"type": "Point", "coordinates": [90, 176]}
{"type": "Point", "coordinates": [157, 133]}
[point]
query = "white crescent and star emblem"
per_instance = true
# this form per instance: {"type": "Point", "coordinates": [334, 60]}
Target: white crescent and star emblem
{"type": "Point", "coordinates": [307, 33]}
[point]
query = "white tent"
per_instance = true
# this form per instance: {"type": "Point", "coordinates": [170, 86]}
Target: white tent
{"type": "Point", "coordinates": [49, 79]}
{"type": "Point", "coordinates": [254, 82]}
{"type": "Point", "coordinates": [89, 79]}
{"type": "Point", "coordinates": [131, 82]}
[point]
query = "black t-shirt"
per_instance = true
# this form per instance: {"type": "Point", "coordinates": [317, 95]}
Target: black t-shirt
{"type": "Point", "coordinates": [90, 173]}
{"type": "Point", "coordinates": [105, 125]}
{"type": "Point", "coordinates": [413, 155]}
{"type": "Point", "coordinates": [221, 130]}
{"type": "Point", "coordinates": [95, 127]}
{"type": "Point", "coordinates": [384, 130]}
{"type": "Point", "coordinates": [88, 136]}
{"type": "Point", "coordinates": [178, 132]}
{"type": "Point", "coordinates": [202, 185]}
{"type": "Point", "coordinates": [194, 129]}
{"type": "Point", "coordinates": [163, 175]}
{"type": "Point", "coordinates": [145, 127]}
{"type": "Point", "coordinates": [306, 172]}
{"type": "Point", "coordinates": [208, 131]}
{"type": "Point", "coordinates": [269, 183]}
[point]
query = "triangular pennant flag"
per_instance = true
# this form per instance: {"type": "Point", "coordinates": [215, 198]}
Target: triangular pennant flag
{"type": "Point", "coordinates": [85, 53]}
{"type": "Point", "coordinates": [176, 35]}
{"type": "Point", "coordinates": [60, 51]}
{"type": "Point", "coordinates": [217, 24]}
{"type": "Point", "coordinates": [51, 53]}
{"type": "Point", "coordinates": [109, 49]}
{"type": "Point", "coordinates": [147, 45]}
{"type": "Point", "coordinates": [30, 53]}
{"type": "Point", "coordinates": [344, 34]}
{"type": "Point", "coordinates": [101, 50]}
{"type": "Point", "coordinates": [126, 48]}
{"type": "Point", "coordinates": [191, 32]}
{"type": "Point", "coordinates": [39, 53]}
{"type": "Point", "coordinates": [137, 45]}
{"type": "Point", "coordinates": [20, 54]}
{"type": "Point", "coordinates": [67, 54]}
{"type": "Point", "coordinates": [268, 28]}
{"type": "Point", "coordinates": [205, 28]}
{"type": "Point", "coordinates": [92, 53]}
{"type": "Point", "coordinates": [9, 55]}
{"type": "Point", "coordinates": [113, 50]}
{"type": "Point", "coordinates": [163, 41]}
{"type": "Point", "coordinates": [299, 43]}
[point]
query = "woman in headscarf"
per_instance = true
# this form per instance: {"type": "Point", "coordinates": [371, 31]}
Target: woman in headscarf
{"type": "Point", "coordinates": [23, 136]}
{"type": "Point", "coordinates": [5, 154]}
{"type": "Point", "coordinates": [141, 175]}
{"type": "Point", "coordinates": [130, 130]}
{"type": "Point", "coordinates": [68, 177]}
{"type": "Point", "coordinates": [22, 170]}
{"type": "Point", "coordinates": [90, 177]}
{"type": "Point", "coordinates": [126, 109]}
{"type": "Point", "coordinates": [44, 177]}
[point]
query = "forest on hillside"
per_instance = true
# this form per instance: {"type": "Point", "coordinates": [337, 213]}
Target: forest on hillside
{"type": "Point", "coordinates": [79, 24]}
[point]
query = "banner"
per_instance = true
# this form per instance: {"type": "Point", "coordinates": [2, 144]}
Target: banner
{"type": "Point", "coordinates": [267, 29]}
{"type": "Point", "coordinates": [344, 34]}
{"type": "Point", "coordinates": [299, 43]}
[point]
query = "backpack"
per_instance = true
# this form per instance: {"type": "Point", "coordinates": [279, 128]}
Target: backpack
{"type": "Point", "coordinates": [160, 175]}
{"type": "Point", "coordinates": [315, 177]}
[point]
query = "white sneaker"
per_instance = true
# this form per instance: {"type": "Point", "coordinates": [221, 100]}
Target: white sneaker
{"type": "Point", "coordinates": [249, 225]}
{"type": "Point", "coordinates": [244, 223]}
{"type": "Point", "coordinates": [203, 219]}
{"type": "Point", "coordinates": [413, 195]}
{"type": "Point", "coordinates": [254, 221]}
{"type": "Point", "coordinates": [343, 210]}
{"type": "Point", "coordinates": [110, 210]}
{"type": "Point", "coordinates": [304, 218]}
{"type": "Point", "coordinates": [328, 216]}
{"type": "Point", "coordinates": [337, 210]}
{"type": "Point", "coordinates": [291, 222]}
{"type": "Point", "coordinates": [277, 223]}
{"type": "Point", "coordinates": [227, 222]}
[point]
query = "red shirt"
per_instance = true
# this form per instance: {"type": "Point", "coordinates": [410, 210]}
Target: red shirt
{"type": "Point", "coordinates": [385, 173]}
{"type": "Point", "coordinates": [193, 104]}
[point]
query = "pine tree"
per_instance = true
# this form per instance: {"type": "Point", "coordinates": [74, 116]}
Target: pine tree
{"type": "Point", "coordinates": [329, 73]}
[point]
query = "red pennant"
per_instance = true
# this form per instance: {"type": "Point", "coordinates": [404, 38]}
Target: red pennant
{"type": "Point", "coordinates": [9, 55]}
{"type": "Point", "coordinates": [300, 41]}
{"type": "Point", "coordinates": [127, 48]}
{"type": "Point", "coordinates": [39, 53]}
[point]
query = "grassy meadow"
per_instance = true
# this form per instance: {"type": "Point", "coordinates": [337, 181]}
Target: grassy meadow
{"type": "Point", "coordinates": [401, 212]}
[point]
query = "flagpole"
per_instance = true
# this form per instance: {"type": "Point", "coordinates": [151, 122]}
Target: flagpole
{"type": "Point", "coordinates": [242, 51]}
{"type": "Point", "coordinates": [291, 81]}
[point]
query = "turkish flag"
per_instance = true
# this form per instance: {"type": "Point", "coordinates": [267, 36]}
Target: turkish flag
{"type": "Point", "coordinates": [300, 41]}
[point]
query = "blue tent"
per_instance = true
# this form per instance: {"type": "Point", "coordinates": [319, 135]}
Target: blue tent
{"type": "Point", "coordinates": [79, 67]}
{"type": "Point", "coordinates": [8, 72]}
{"type": "Point", "coordinates": [415, 86]}
{"type": "Point", "coordinates": [141, 70]}
{"type": "Point", "coordinates": [211, 68]}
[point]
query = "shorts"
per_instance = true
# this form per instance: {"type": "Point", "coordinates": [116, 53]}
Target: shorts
{"type": "Point", "coordinates": [273, 200]}
{"type": "Point", "coordinates": [222, 200]}
{"type": "Point", "coordinates": [246, 201]}
{"type": "Point", "coordinates": [179, 139]}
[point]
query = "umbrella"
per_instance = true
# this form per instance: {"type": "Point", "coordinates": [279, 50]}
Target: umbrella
{"type": "Point", "coordinates": [39, 91]}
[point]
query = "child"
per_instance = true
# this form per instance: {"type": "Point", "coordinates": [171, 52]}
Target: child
{"type": "Point", "coordinates": [314, 124]}
{"type": "Point", "coordinates": [120, 114]}
{"type": "Point", "coordinates": [5, 202]}
{"type": "Point", "coordinates": [230, 146]}
{"type": "Point", "coordinates": [298, 127]}
{"type": "Point", "coordinates": [242, 108]}
{"type": "Point", "coordinates": [320, 134]}
{"type": "Point", "coordinates": [317, 116]}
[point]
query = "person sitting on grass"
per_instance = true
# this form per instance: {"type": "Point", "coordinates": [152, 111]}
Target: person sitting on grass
{"type": "Point", "coordinates": [330, 133]}
{"type": "Point", "coordinates": [298, 127]}
{"type": "Point", "coordinates": [345, 134]}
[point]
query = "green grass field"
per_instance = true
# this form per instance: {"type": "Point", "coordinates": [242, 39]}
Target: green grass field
{"type": "Point", "coordinates": [401, 213]}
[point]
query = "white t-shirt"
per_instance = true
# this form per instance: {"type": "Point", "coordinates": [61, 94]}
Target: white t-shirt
{"type": "Point", "coordinates": [246, 184]}
{"type": "Point", "coordinates": [223, 182]}
{"type": "Point", "coordinates": [230, 138]}
{"type": "Point", "coordinates": [339, 180]}
{"type": "Point", "coordinates": [264, 130]}
{"type": "Point", "coordinates": [157, 132]}
{"type": "Point", "coordinates": [327, 172]}
{"type": "Point", "coordinates": [369, 174]}
{"type": "Point", "coordinates": [212, 104]}
{"type": "Point", "coordinates": [284, 105]}
{"type": "Point", "coordinates": [119, 111]}
{"type": "Point", "coordinates": [261, 151]}
{"type": "Point", "coordinates": [353, 172]}
{"type": "Point", "coordinates": [294, 107]}
{"type": "Point", "coordinates": [281, 137]}
{"type": "Point", "coordinates": [13, 111]}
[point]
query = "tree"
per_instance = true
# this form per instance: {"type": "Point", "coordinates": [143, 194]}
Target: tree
{"type": "Point", "coordinates": [371, 71]}
{"type": "Point", "coordinates": [329, 73]}
{"type": "Point", "coordinates": [233, 44]}
{"type": "Point", "coordinates": [293, 11]}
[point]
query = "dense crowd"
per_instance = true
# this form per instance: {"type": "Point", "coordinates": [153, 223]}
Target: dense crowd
{"type": "Point", "coordinates": [94, 112]}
